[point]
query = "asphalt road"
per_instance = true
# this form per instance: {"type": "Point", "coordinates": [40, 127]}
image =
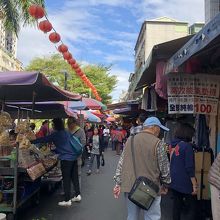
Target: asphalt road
{"type": "Point", "coordinates": [97, 200]}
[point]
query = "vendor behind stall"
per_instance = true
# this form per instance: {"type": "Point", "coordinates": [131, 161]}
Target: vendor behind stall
{"type": "Point", "coordinates": [61, 139]}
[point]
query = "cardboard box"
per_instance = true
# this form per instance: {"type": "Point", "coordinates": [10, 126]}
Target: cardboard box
{"type": "Point", "coordinates": [206, 187]}
{"type": "Point", "coordinates": [199, 161]}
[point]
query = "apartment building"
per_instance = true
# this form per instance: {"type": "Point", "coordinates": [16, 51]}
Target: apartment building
{"type": "Point", "coordinates": [8, 50]}
{"type": "Point", "coordinates": [154, 32]}
{"type": "Point", "coordinates": [212, 8]}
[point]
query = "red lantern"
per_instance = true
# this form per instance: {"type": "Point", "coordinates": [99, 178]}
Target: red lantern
{"type": "Point", "coordinates": [67, 55]}
{"type": "Point", "coordinates": [80, 74]}
{"type": "Point", "coordinates": [71, 61]}
{"type": "Point", "coordinates": [93, 87]}
{"type": "Point", "coordinates": [62, 48]}
{"type": "Point", "coordinates": [84, 77]}
{"type": "Point", "coordinates": [75, 66]}
{"type": "Point", "coordinates": [45, 26]}
{"type": "Point", "coordinates": [54, 37]}
{"type": "Point", "coordinates": [36, 11]}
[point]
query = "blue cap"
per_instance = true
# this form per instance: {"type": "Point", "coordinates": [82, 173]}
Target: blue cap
{"type": "Point", "coordinates": [154, 121]}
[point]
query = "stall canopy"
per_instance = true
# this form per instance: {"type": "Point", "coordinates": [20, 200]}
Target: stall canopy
{"type": "Point", "coordinates": [126, 108]}
{"type": "Point", "coordinates": [93, 104]}
{"type": "Point", "coordinates": [42, 110]}
{"type": "Point", "coordinates": [159, 52]}
{"type": "Point", "coordinates": [121, 105]}
{"type": "Point", "coordinates": [23, 86]}
{"type": "Point", "coordinates": [89, 116]}
{"type": "Point", "coordinates": [206, 42]}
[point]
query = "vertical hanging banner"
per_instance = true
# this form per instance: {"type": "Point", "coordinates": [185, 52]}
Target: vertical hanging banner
{"type": "Point", "coordinates": [189, 94]}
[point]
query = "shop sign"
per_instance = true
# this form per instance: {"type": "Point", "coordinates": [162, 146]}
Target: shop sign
{"type": "Point", "coordinates": [189, 94]}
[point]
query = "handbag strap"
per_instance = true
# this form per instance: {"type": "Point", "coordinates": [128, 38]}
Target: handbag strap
{"type": "Point", "coordinates": [133, 156]}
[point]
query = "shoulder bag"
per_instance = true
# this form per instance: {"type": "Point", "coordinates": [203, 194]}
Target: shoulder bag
{"type": "Point", "coordinates": [144, 191]}
{"type": "Point", "coordinates": [76, 145]}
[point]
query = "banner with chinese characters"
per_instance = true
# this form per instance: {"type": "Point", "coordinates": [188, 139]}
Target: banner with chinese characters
{"type": "Point", "coordinates": [189, 94]}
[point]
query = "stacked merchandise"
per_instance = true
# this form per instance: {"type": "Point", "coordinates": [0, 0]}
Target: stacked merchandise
{"type": "Point", "coordinates": [5, 144]}
{"type": "Point", "coordinates": [37, 162]}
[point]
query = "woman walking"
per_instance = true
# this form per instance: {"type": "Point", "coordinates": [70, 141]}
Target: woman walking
{"type": "Point", "coordinates": [61, 139]}
{"type": "Point", "coordinates": [182, 169]}
{"type": "Point", "coordinates": [96, 152]}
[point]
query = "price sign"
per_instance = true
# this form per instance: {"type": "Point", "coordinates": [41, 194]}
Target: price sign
{"type": "Point", "coordinates": [188, 94]}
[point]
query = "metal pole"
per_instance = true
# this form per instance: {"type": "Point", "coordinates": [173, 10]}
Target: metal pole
{"type": "Point", "coordinates": [65, 80]}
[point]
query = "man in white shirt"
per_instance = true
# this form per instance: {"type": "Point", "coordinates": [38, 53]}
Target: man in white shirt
{"type": "Point", "coordinates": [106, 135]}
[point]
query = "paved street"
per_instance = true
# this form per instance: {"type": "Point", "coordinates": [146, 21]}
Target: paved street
{"type": "Point", "coordinates": [97, 203]}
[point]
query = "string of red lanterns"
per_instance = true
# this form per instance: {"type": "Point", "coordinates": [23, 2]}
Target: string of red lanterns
{"type": "Point", "coordinates": [38, 12]}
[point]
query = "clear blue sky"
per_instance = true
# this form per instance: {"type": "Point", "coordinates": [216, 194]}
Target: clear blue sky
{"type": "Point", "coordinates": [103, 31]}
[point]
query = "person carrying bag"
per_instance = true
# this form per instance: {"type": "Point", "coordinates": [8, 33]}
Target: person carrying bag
{"type": "Point", "coordinates": [144, 191]}
{"type": "Point", "coordinates": [143, 172]}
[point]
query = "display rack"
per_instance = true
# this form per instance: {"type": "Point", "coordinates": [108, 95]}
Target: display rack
{"type": "Point", "coordinates": [13, 172]}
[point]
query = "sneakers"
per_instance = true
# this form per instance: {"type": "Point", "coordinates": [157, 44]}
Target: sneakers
{"type": "Point", "coordinates": [65, 204]}
{"type": "Point", "coordinates": [89, 172]}
{"type": "Point", "coordinates": [77, 199]}
{"type": "Point", "coordinates": [97, 171]}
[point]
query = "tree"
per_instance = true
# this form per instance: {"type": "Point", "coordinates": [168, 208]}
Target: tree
{"type": "Point", "coordinates": [15, 12]}
{"type": "Point", "coordinates": [99, 75]}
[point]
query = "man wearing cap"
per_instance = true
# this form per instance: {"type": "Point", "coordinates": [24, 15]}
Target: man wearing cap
{"type": "Point", "coordinates": [151, 162]}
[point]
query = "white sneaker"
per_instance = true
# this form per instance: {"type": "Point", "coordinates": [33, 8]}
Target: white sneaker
{"type": "Point", "coordinates": [64, 203]}
{"type": "Point", "coordinates": [77, 199]}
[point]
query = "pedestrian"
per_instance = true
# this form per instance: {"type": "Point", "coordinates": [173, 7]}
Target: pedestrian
{"type": "Point", "coordinates": [118, 137]}
{"type": "Point", "coordinates": [182, 169]}
{"type": "Point", "coordinates": [112, 133]}
{"type": "Point", "coordinates": [151, 162]}
{"type": "Point", "coordinates": [96, 151]}
{"type": "Point", "coordinates": [134, 126]}
{"type": "Point", "coordinates": [89, 134]}
{"type": "Point", "coordinates": [106, 135]}
{"type": "Point", "coordinates": [61, 139]}
{"type": "Point", "coordinates": [78, 132]}
{"type": "Point", "coordinates": [214, 180]}
{"type": "Point", "coordinates": [44, 129]}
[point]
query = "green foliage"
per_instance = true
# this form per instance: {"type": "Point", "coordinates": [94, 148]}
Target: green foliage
{"type": "Point", "coordinates": [15, 12]}
{"type": "Point", "coordinates": [99, 75]}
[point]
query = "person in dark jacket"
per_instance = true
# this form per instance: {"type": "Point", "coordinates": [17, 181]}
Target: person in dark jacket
{"type": "Point", "coordinates": [182, 170]}
{"type": "Point", "coordinates": [97, 150]}
{"type": "Point", "coordinates": [61, 139]}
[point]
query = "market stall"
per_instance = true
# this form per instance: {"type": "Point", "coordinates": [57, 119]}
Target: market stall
{"type": "Point", "coordinates": [193, 83]}
{"type": "Point", "coordinates": [22, 165]}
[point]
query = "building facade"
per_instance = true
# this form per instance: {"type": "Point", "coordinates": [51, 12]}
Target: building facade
{"type": "Point", "coordinates": [8, 50]}
{"type": "Point", "coordinates": [196, 27]}
{"type": "Point", "coordinates": [154, 32]}
{"type": "Point", "coordinates": [212, 8]}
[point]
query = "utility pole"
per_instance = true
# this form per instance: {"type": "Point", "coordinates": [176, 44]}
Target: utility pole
{"type": "Point", "coordinates": [65, 78]}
